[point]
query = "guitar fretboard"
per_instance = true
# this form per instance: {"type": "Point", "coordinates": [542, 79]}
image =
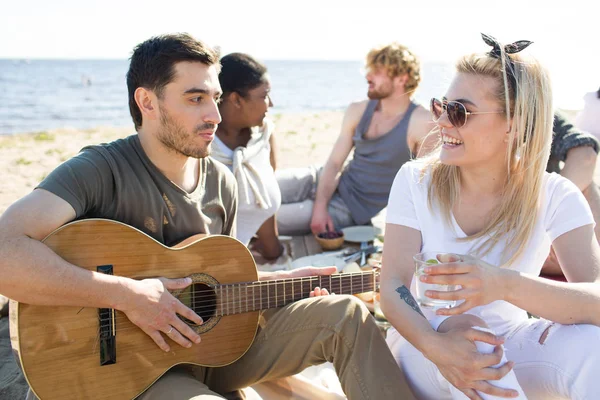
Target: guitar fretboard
{"type": "Point", "coordinates": [261, 295]}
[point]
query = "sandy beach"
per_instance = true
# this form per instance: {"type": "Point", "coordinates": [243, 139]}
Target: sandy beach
{"type": "Point", "coordinates": [26, 159]}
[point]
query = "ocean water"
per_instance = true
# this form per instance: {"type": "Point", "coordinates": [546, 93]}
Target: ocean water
{"type": "Point", "coordinates": [37, 95]}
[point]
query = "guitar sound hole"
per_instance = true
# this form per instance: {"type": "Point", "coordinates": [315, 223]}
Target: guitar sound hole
{"type": "Point", "coordinates": [202, 299]}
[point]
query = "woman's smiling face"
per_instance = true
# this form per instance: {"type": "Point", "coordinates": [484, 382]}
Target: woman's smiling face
{"type": "Point", "coordinates": [483, 138]}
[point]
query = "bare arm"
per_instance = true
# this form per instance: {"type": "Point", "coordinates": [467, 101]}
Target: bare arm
{"type": "Point", "coordinates": [575, 302]}
{"type": "Point", "coordinates": [330, 177]}
{"type": "Point", "coordinates": [273, 155]}
{"type": "Point", "coordinates": [398, 305]}
{"type": "Point", "coordinates": [268, 244]}
{"type": "Point", "coordinates": [422, 138]}
{"type": "Point", "coordinates": [32, 273]}
{"type": "Point", "coordinates": [580, 165]}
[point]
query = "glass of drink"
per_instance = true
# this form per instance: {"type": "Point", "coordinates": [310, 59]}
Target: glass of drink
{"type": "Point", "coordinates": [427, 259]}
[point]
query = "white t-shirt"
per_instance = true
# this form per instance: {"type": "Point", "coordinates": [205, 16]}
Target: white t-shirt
{"type": "Point", "coordinates": [563, 208]}
{"type": "Point", "coordinates": [250, 215]}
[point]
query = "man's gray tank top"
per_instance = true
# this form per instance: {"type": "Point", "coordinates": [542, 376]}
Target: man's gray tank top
{"type": "Point", "coordinates": [366, 181]}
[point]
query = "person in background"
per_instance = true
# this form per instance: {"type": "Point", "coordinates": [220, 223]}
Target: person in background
{"type": "Point", "coordinates": [484, 201]}
{"type": "Point", "coordinates": [578, 151]}
{"type": "Point", "coordinates": [588, 119]}
{"type": "Point", "coordinates": [245, 142]}
{"type": "Point", "coordinates": [385, 131]}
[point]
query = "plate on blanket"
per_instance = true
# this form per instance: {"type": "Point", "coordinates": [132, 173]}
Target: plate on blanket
{"type": "Point", "coordinates": [362, 233]}
{"type": "Point", "coordinates": [319, 260]}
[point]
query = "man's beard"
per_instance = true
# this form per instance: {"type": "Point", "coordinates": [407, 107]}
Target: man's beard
{"type": "Point", "coordinates": [379, 93]}
{"type": "Point", "coordinates": [175, 138]}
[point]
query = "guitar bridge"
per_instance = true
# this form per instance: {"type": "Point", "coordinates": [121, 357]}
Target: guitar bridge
{"type": "Point", "coordinates": [107, 328]}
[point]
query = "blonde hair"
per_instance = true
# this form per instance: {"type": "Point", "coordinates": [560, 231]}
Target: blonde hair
{"type": "Point", "coordinates": [397, 60]}
{"type": "Point", "coordinates": [529, 104]}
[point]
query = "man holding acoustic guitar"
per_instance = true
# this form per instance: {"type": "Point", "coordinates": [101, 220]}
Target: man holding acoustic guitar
{"type": "Point", "coordinates": [92, 300]}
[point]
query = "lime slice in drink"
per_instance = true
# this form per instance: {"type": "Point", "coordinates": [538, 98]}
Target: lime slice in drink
{"type": "Point", "coordinates": [432, 261]}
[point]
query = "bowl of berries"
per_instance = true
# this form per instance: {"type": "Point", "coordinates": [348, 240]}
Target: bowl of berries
{"type": "Point", "coordinates": [330, 240]}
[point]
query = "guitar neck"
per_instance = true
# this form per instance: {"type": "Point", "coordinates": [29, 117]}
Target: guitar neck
{"type": "Point", "coordinates": [261, 295]}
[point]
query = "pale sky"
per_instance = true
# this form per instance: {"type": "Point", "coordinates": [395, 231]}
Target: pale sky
{"type": "Point", "coordinates": [564, 32]}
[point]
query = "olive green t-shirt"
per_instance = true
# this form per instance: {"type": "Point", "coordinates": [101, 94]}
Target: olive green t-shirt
{"type": "Point", "coordinates": [118, 181]}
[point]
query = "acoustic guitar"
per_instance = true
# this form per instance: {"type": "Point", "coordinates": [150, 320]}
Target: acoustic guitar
{"type": "Point", "coordinates": [91, 353]}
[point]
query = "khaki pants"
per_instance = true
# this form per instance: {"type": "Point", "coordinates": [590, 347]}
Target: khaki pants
{"type": "Point", "coordinates": [338, 329]}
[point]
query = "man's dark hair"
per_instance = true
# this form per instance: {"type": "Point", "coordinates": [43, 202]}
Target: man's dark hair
{"type": "Point", "coordinates": [240, 73]}
{"type": "Point", "coordinates": [152, 64]}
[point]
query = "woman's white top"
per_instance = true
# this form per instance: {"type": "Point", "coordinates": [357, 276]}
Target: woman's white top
{"type": "Point", "coordinates": [562, 209]}
{"type": "Point", "coordinates": [259, 196]}
{"type": "Point", "coordinates": [589, 118]}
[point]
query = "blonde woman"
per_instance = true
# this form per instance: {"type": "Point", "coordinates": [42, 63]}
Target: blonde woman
{"type": "Point", "coordinates": [485, 192]}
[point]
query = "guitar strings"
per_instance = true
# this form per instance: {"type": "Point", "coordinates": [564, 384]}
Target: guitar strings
{"type": "Point", "coordinates": [261, 284]}
{"type": "Point", "coordinates": [234, 289]}
{"type": "Point", "coordinates": [121, 318]}
{"type": "Point", "coordinates": [345, 281]}
{"type": "Point", "coordinates": [269, 298]}
{"type": "Point", "coordinates": [241, 303]}
{"type": "Point", "coordinates": [352, 277]}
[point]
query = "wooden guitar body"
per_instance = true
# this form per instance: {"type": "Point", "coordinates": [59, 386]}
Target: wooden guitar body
{"type": "Point", "coordinates": [80, 353]}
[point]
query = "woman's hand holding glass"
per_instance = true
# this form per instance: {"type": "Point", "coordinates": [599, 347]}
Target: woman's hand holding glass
{"type": "Point", "coordinates": [455, 354]}
{"type": "Point", "coordinates": [480, 283]}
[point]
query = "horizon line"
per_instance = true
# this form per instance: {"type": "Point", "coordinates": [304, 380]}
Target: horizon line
{"type": "Point", "coordinates": [35, 58]}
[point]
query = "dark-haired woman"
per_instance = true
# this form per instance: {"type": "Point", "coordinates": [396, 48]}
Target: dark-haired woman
{"type": "Point", "coordinates": [244, 141]}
